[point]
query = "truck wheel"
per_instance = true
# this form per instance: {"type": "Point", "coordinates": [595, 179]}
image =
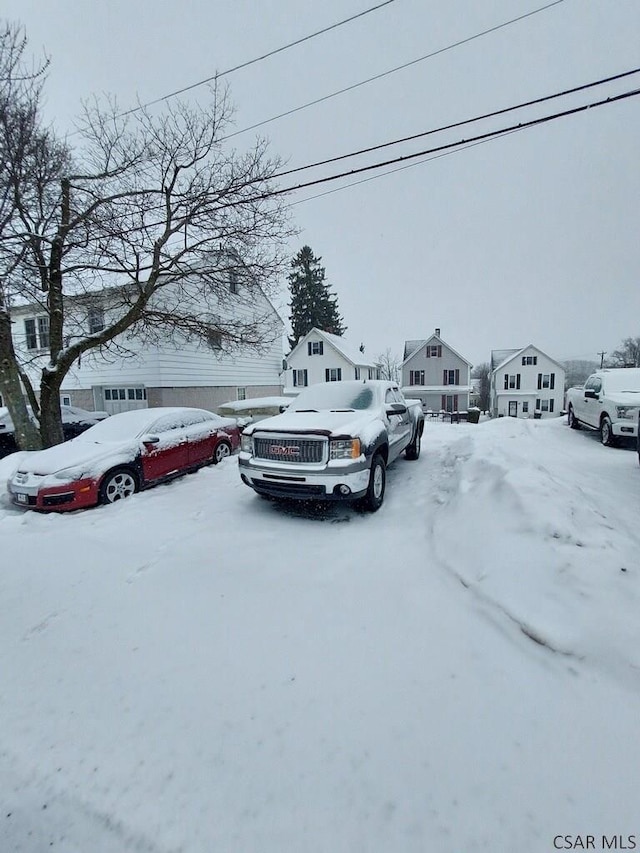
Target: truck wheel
{"type": "Point", "coordinates": [606, 432]}
{"type": "Point", "coordinates": [573, 422]}
{"type": "Point", "coordinates": [413, 450]}
{"type": "Point", "coordinates": [372, 501]}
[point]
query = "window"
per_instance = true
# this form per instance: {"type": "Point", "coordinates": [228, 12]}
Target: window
{"type": "Point", "coordinates": [547, 380]}
{"type": "Point", "coordinates": [544, 405]}
{"type": "Point", "coordinates": [114, 394]}
{"type": "Point", "coordinates": [241, 393]}
{"type": "Point", "coordinates": [333, 374]}
{"type": "Point", "coordinates": [233, 281]}
{"type": "Point", "coordinates": [314, 347]}
{"type": "Point", "coordinates": [512, 381]}
{"type": "Point", "coordinates": [434, 351]}
{"type": "Point", "coordinates": [525, 407]}
{"type": "Point", "coordinates": [214, 338]}
{"type": "Point", "coordinates": [416, 377]}
{"type": "Point", "coordinates": [529, 359]}
{"type": "Point", "coordinates": [300, 378]}
{"type": "Point", "coordinates": [450, 377]}
{"type": "Point", "coordinates": [96, 320]}
{"type": "Point", "coordinates": [36, 330]}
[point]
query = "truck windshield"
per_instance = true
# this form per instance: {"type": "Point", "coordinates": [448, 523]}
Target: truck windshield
{"type": "Point", "coordinates": [334, 395]}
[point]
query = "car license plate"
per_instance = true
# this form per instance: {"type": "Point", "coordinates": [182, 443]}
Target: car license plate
{"type": "Point", "coordinates": [22, 499]}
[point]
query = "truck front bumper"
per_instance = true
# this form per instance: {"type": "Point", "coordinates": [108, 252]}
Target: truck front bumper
{"type": "Point", "coordinates": [331, 482]}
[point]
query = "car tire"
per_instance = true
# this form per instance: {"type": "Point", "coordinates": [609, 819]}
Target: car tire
{"type": "Point", "coordinates": [606, 432]}
{"type": "Point", "coordinates": [573, 422]}
{"type": "Point", "coordinates": [412, 451]}
{"type": "Point", "coordinates": [374, 497]}
{"type": "Point", "coordinates": [117, 485]}
{"type": "Point", "coordinates": [221, 451]}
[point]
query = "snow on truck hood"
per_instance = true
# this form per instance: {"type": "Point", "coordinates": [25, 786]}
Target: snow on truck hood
{"type": "Point", "coordinates": [330, 422]}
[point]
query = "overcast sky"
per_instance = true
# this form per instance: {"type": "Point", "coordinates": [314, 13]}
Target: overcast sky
{"type": "Point", "coordinates": [531, 238]}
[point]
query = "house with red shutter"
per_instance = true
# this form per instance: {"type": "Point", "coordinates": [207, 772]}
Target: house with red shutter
{"type": "Point", "coordinates": [435, 373]}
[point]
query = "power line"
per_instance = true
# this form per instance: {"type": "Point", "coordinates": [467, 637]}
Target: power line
{"type": "Point", "coordinates": [449, 146]}
{"type": "Point", "coordinates": [441, 129]}
{"type": "Point", "coordinates": [393, 70]}
{"type": "Point", "coordinates": [259, 58]}
{"type": "Point", "coordinates": [440, 150]}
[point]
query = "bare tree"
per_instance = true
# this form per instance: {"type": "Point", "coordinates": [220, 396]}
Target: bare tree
{"type": "Point", "coordinates": [389, 365]}
{"type": "Point", "coordinates": [483, 373]}
{"type": "Point", "coordinates": [156, 214]}
{"type": "Point", "coordinates": [627, 354]}
{"type": "Point", "coordinates": [22, 146]}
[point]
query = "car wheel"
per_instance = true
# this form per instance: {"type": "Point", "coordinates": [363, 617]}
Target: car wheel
{"type": "Point", "coordinates": [118, 484]}
{"type": "Point", "coordinates": [606, 432]}
{"type": "Point", "coordinates": [222, 451]}
{"type": "Point", "coordinates": [372, 501]}
{"type": "Point", "coordinates": [573, 422]}
{"type": "Point", "coordinates": [413, 450]}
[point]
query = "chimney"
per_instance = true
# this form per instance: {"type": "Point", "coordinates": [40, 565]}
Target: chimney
{"type": "Point", "coordinates": [438, 332]}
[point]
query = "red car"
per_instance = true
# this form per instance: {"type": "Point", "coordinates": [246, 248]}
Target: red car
{"type": "Point", "coordinates": [120, 456]}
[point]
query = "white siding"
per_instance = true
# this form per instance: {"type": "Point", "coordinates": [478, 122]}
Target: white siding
{"type": "Point", "coordinates": [317, 365]}
{"type": "Point", "coordinates": [524, 399]}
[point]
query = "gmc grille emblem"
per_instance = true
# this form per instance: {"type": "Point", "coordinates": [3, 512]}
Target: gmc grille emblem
{"type": "Point", "coordinates": [277, 450]}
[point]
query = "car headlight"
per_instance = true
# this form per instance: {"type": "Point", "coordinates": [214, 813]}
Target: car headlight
{"type": "Point", "coordinates": [246, 443]}
{"type": "Point", "coordinates": [69, 475]}
{"type": "Point", "coordinates": [626, 411]}
{"type": "Point", "coordinates": [344, 448]}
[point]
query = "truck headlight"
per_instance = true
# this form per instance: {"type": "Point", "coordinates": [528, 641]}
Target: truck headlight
{"type": "Point", "coordinates": [626, 411]}
{"type": "Point", "coordinates": [246, 443]}
{"type": "Point", "coordinates": [344, 448]}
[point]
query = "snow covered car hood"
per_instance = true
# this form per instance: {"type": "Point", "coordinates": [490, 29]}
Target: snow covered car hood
{"type": "Point", "coordinates": [325, 422]}
{"type": "Point", "coordinates": [77, 453]}
{"type": "Point", "coordinates": [624, 398]}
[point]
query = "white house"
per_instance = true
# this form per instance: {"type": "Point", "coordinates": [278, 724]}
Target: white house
{"type": "Point", "coordinates": [167, 371]}
{"type": "Point", "coordinates": [433, 372]}
{"type": "Point", "coordinates": [322, 357]}
{"type": "Point", "coordinates": [526, 383]}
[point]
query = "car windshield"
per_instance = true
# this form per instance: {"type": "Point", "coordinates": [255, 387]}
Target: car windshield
{"type": "Point", "coordinates": [334, 396]}
{"type": "Point", "coordinates": [123, 426]}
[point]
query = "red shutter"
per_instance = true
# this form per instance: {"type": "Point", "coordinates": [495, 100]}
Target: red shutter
{"type": "Point", "coordinates": [439, 350]}
{"type": "Point", "coordinates": [428, 352]}
{"type": "Point", "coordinates": [444, 377]}
{"type": "Point", "coordinates": [455, 402]}
{"type": "Point", "coordinates": [443, 402]}
{"type": "Point", "coordinates": [457, 376]}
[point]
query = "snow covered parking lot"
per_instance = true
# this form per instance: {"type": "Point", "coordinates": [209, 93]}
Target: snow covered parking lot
{"type": "Point", "coordinates": [198, 670]}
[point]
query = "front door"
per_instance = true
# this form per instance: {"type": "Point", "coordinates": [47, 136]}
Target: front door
{"type": "Point", "coordinates": [513, 408]}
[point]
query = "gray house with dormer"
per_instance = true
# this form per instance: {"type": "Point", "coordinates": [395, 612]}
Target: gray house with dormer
{"type": "Point", "coordinates": [436, 374]}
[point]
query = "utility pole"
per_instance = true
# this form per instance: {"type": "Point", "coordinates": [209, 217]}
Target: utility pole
{"type": "Point", "coordinates": [602, 355]}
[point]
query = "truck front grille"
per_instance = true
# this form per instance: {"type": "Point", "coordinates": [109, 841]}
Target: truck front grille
{"type": "Point", "coordinates": [277, 449]}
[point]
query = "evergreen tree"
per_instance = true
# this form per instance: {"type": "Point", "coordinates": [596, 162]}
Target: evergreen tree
{"type": "Point", "coordinates": [312, 302]}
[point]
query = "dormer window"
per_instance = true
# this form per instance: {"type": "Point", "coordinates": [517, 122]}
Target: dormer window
{"type": "Point", "coordinates": [96, 320]}
{"type": "Point", "coordinates": [434, 351]}
{"type": "Point", "coordinates": [314, 347]}
{"type": "Point", "coordinates": [36, 331]}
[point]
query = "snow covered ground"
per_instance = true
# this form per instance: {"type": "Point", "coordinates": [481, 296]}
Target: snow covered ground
{"type": "Point", "coordinates": [199, 670]}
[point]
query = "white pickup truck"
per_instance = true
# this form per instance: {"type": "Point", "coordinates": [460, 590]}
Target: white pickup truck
{"type": "Point", "coordinates": [608, 401]}
{"type": "Point", "coordinates": [333, 442]}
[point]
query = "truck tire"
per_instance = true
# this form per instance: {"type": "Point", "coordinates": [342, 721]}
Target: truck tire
{"type": "Point", "coordinates": [372, 501]}
{"type": "Point", "coordinates": [606, 432]}
{"type": "Point", "coordinates": [573, 422]}
{"type": "Point", "coordinates": [412, 451]}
